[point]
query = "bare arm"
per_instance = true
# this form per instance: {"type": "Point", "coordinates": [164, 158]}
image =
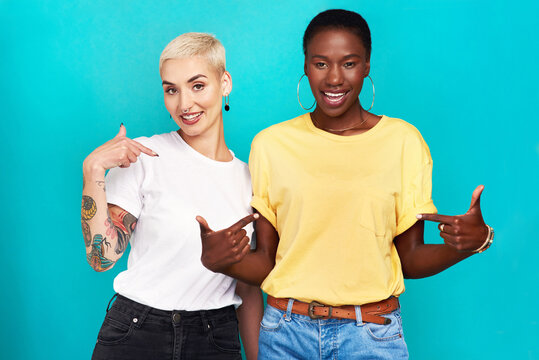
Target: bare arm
{"type": "Point", "coordinates": [421, 260]}
{"type": "Point", "coordinates": [250, 315]}
{"type": "Point", "coordinates": [106, 228]}
{"type": "Point", "coordinates": [462, 234]}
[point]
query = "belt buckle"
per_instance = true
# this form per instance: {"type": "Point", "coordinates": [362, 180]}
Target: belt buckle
{"type": "Point", "coordinates": [311, 314]}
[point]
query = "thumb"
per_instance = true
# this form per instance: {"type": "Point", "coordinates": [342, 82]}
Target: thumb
{"type": "Point", "coordinates": [476, 198]}
{"type": "Point", "coordinates": [204, 227]}
{"type": "Point", "coordinates": [122, 131]}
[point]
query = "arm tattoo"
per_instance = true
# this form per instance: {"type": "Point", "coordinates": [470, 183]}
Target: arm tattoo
{"type": "Point", "coordinates": [101, 183]}
{"type": "Point", "coordinates": [96, 257]}
{"type": "Point", "coordinates": [86, 233]}
{"type": "Point", "coordinates": [124, 223]}
{"type": "Point", "coordinates": [88, 208]}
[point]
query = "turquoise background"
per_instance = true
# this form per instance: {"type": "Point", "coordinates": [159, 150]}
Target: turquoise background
{"type": "Point", "coordinates": [464, 72]}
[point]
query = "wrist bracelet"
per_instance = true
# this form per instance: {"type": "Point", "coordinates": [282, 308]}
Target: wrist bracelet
{"type": "Point", "coordinates": [488, 241]}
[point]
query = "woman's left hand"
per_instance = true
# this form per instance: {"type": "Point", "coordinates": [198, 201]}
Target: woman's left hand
{"type": "Point", "coordinates": [464, 232]}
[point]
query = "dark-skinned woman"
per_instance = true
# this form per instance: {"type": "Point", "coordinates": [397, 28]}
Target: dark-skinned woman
{"type": "Point", "coordinates": [342, 194]}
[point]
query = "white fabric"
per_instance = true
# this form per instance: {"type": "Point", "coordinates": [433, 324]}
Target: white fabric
{"type": "Point", "coordinates": [165, 194]}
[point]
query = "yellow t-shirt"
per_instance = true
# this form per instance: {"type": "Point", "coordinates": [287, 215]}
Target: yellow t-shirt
{"type": "Point", "coordinates": [337, 202]}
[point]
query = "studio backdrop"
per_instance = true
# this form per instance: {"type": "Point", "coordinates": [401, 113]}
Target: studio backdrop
{"type": "Point", "coordinates": [463, 72]}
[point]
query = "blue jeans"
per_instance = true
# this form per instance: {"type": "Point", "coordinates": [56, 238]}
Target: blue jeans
{"type": "Point", "coordinates": [285, 335]}
{"type": "Point", "coordinates": [134, 331]}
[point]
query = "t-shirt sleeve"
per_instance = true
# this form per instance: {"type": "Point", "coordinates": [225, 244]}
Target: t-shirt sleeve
{"type": "Point", "coordinates": [416, 191]}
{"type": "Point", "coordinates": [123, 187]}
{"type": "Point", "coordinates": [259, 168]}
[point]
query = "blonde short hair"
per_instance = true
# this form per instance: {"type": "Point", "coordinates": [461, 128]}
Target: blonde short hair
{"type": "Point", "coordinates": [196, 44]}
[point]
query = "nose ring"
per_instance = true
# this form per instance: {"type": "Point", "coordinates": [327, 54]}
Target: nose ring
{"type": "Point", "coordinates": [185, 110]}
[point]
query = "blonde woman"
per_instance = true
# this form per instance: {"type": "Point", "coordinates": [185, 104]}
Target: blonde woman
{"type": "Point", "coordinates": [168, 305]}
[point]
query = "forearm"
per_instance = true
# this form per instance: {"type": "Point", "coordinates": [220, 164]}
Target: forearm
{"type": "Point", "coordinates": [249, 316]}
{"type": "Point", "coordinates": [253, 268]}
{"type": "Point", "coordinates": [430, 259]}
{"type": "Point", "coordinates": [100, 235]}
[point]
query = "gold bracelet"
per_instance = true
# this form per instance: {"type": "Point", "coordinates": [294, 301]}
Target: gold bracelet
{"type": "Point", "coordinates": [488, 241]}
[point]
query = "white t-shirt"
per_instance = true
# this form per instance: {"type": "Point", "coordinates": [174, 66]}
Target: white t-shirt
{"type": "Point", "coordinates": [165, 194]}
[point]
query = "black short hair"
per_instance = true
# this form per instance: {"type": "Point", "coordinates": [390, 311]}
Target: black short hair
{"type": "Point", "coordinates": [339, 19]}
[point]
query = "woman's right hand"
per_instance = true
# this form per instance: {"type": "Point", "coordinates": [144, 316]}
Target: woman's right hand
{"type": "Point", "coordinates": [222, 248]}
{"type": "Point", "coordinates": [120, 151]}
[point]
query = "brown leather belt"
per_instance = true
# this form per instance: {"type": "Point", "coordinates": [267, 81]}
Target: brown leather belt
{"type": "Point", "coordinates": [369, 312]}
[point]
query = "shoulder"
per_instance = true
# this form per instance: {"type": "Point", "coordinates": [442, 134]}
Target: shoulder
{"type": "Point", "coordinates": [403, 130]}
{"type": "Point", "coordinates": [157, 142]}
{"type": "Point", "coordinates": [402, 126]}
{"type": "Point", "coordinates": [280, 130]}
{"type": "Point", "coordinates": [240, 164]}
{"type": "Point", "coordinates": [243, 169]}
{"type": "Point", "coordinates": [408, 140]}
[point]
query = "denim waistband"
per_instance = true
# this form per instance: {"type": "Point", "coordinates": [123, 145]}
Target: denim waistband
{"type": "Point", "coordinates": [131, 307]}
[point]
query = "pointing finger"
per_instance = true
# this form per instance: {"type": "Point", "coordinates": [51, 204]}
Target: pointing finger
{"type": "Point", "coordinates": [436, 217]}
{"type": "Point", "coordinates": [204, 227]}
{"type": "Point", "coordinates": [144, 149]}
{"type": "Point", "coordinates": [244, 222]}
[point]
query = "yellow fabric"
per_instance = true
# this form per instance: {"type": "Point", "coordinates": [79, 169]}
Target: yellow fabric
{"type": "Point", "coordinates": [337, 202]}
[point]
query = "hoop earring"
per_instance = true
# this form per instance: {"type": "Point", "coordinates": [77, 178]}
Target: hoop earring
{"type": "Point", "coordinates": [372, 103]}
{"type": "Point", "coordinates": [299, 82]}
{"type": "Point", "coordinates": [227, 99]}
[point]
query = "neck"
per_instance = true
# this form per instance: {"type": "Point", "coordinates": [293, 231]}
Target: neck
{"type": "Point", "coordinates": [354, 120]}
{"type": "Point", "coordinates": [210, 144]}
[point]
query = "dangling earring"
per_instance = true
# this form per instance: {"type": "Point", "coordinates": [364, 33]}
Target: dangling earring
{"type": "Point", "coordinates": [372, 103]}
{"type": "Point", "coordinates": [299, 82]}
{"type": "Point", "coordinates": [227, 99]}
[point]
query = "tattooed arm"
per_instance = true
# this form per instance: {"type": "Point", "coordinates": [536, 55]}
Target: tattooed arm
{"type": "Point", "coordinates": [106, 228]}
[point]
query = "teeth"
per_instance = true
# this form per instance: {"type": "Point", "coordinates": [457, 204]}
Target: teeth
{"type": "Point", "coordinates": [190, 117]}
{"type": "Point", "coordinates": [334, 95]}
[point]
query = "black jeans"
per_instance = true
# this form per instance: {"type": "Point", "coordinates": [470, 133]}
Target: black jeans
{"type": "Point", "coordinates": [135, 331]}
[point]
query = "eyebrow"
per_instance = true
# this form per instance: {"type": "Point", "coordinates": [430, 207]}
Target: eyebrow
{"type": "Point", "coordinates": [196, 77]}
{"type": "Point", "coordinates": [345, 57]}
{"type": "Point", "coordinates": [193, 78]}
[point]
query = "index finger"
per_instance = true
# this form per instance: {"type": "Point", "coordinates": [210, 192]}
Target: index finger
{"type": "Point", "coordinates": [144, 149]}
{"type": "Point", "coordinates": [436, 217]}
{"type": "Point", "coordinates": [244, 222]}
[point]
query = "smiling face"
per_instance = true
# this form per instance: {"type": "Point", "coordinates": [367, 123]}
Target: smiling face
{"type": "Point", "coordinates": [336, 63]}
{"type": "Point", "coordinates": [193, 91]}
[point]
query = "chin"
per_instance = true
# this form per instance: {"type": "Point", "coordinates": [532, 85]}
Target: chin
{"type": "Point", "coordinates": [192, 131]}
{"type": "Point", "coordinates": [334, 112]}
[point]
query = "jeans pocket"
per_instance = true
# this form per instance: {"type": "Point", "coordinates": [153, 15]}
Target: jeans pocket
{"type": "Point", "coordinates": [392, 331]}
{"type": "Point", "coordinates": [117, 328]}
{"type": "Point", "coordinates": [225, 336]}
{"type": "Point", "coordinates": [272, 320]}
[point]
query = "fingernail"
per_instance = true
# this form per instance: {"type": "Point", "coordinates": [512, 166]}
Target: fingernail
{"type": "Point", "coordinates": [256, 216]}
{"type": "Point", "coordinates": [122, 124]}
{"type": "Point", "coordinates": [418, 216]}
{"type": "Point", "coordinates": [155, 154]}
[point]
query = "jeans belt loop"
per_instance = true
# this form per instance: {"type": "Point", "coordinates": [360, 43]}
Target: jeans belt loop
{"type": "Point", "coordinates": [205, 323]}
{"type": "Point", "coordinates": [359, 319]}
{"type": "Point", "coordinates": [289, 309]}
{"type": "Point", "coordinates": [142, 316]}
